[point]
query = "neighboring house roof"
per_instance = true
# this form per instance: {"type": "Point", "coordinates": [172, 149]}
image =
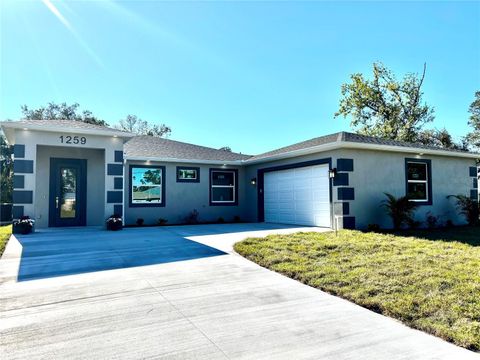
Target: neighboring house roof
{"type": "Point", "coordinates": [155, 148]}
{"type": "Point", "coordinates": [355, 141]}
{"type": "Point", "coordinates": [68, 126]}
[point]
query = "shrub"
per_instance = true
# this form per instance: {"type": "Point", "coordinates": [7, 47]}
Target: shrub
{"type": "Point", "coordinates": [24, 225]}
{"type": "Point", "coordinates": [140, 222]}
{"type": "Point", "coordinates": [236, 219]}
{"type": "Point", "coordinates": [466, 207]}
{"type": "Point", "coordinates": [221, 220]}
{"type": "Point", "coordinates": [432, 220]}
{"type": "Point", "coordinates": [373, 228]}
{"type": "Point", "coordinates": [192, 217]}
{"type": "Point", "coordinates": [114, 222]}
{"type": "Point", "coordinates": [449, 223]}
{"type": "Point", "coordinates": [162, 222]}
{"type": "Point", "coordinates": [399, 209]}
{"type": "Point", "coordinates": [413, 224]}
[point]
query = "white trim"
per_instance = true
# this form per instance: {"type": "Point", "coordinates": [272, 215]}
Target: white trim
{"type": "Point", "coordinates": [426, 181]}
{"type": "Point", "coordinates": [223, 186]}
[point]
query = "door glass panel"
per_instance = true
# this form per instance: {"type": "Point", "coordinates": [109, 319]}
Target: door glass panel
{"type": "Point", "coordinates": [68, 193]}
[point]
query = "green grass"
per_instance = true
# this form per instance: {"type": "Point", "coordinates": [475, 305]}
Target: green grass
{"type": "Point", "coordinates": [5, 232]}
{"type": "Point", "coordinates": [431, 285]}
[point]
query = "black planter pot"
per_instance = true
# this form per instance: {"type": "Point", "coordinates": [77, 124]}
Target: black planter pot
{"type": "Point", "coordinates": [114, 226]}
{"type": "Point", "coordinates": [22, 228]}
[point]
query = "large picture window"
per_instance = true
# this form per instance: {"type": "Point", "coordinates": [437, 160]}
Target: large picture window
{"type": "Point", "coordinates": [147, 185]}
{"type": "Point", "coordinates": [223, 187]}
{"type": "Point", "coordinates": [418, 178]}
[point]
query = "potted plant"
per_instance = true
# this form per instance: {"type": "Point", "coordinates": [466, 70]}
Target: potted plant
{"type": "Point", "coordinates": [24, 225]}
{"type": "Point", "coordinates": [114, 222]}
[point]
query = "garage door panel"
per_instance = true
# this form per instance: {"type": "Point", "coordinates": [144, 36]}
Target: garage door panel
{"type": "Point", "coordinates": [298, 196]}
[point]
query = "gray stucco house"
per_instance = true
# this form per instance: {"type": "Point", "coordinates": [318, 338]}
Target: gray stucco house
{"type": "Point", "coordinates": [70, 173]}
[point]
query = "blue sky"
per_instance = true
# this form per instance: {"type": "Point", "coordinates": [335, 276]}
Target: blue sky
{"type": "Point", "coordinates": [250, 75]}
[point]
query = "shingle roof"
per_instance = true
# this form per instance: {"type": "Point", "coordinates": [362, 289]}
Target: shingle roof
{"type": "Point", "coordinates": [155, 147]}
{"type": "Point", "coordinates": [347, 137]}
{"type": "Point", "coordinates": [66, 123]}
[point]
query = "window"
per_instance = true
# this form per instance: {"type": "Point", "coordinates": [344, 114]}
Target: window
{"type": "Point", "coordinates": [223, 187]}
{"type": "Point", "coordinates": [188, 174]}
{"type": "Point", "coordinates": [147, 185]}
{"type": "Point", "coordinates": [418, 180]}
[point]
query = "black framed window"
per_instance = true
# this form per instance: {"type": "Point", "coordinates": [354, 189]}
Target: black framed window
{"type": "Point", "coordinates": [223, 187]}
{"type": "Point", "coordinates": [419, 181]}
{"type": "Point", "coordinates": [188, 174]}
{"type": "Point", "coordinates": [147, 185]}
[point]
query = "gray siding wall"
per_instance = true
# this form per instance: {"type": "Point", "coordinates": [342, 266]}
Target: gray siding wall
{"type": "Point", "coordinates": [376, 172]}
{"type": "Point", "coordinates": [181, 198]}
{"type": "Point", "coordinates": [95, 182]}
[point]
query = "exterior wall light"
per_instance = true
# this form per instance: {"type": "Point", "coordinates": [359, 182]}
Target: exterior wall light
{"type": "Point", "coordinates": [332, 173]}
{"type": "Point", "coordinates": [253, 181]}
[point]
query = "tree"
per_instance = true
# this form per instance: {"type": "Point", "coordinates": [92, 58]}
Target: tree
{"type": "Point", "coordinates": [6, 171]}
{"type": "Point", "coordinates": [134, 124]}
{"type": "Point", "coordinates": [473, 138]}
{"type": "Point", "coordinates": [61, 111]}
{"type": "Point", "coordinates": [385, 107]}
{"type": "Point", "coordinates": [226, 148]}
{"type": "Point", "coordinates": [440, 138]}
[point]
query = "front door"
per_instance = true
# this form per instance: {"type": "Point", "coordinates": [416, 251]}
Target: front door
{"type": "Point", "coordinates": [68, 192]}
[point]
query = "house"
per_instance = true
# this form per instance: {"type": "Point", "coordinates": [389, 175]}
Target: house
{"type": "Point", "coordinates": [69, 173]}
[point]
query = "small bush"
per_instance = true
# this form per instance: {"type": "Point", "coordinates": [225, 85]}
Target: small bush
{"type": "Point", "coordinates": [399, 209]}
{"type": "Point", "coordinates": [162, 222]}
{"type": "Point", "coordinates": [192, 217]}
{"type": "Point", "coordinates": [373, 228]}
{"type": "Point", "coordinates": [140, 222]}
{"type": "Point", "coordinates": [449, 223]}
{"type": "Point", "coordinates": [414, 224]}
{"type": "Point", "coordinates": [432, 220]}
{"type": "Point", "coordinates": [221, 220]}
{"type": "Point", "coordinates": [466, 207]}
{"type": "Point", "coordinates": [236, 219]}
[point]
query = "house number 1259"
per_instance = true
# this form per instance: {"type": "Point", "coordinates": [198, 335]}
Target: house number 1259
{"type": "Point", "coordinates": [73, 140]}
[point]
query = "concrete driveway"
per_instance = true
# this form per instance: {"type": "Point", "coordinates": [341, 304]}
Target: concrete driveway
{"type": "Point", "coordinates": [180, 292]}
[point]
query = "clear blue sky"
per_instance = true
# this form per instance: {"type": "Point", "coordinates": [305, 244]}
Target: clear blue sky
{"type": "Point", "coordinates": [250, 75]}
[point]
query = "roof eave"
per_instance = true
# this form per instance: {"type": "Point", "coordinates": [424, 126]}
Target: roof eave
{"type": "Point", "coordinates": [354, 145]}
{"type": "Point", "coordinates": [100, 132]}
{"type": "Point", "coordinates": [189, 161]}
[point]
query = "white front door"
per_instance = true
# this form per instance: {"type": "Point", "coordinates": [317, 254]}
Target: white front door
{"type": "Point", "coordinates": [299, 196]}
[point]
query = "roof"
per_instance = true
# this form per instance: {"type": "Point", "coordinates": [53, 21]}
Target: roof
{"type": "Point", "coordinates": [66, 126]}
{"type": "Point", "coordinates": [155, 148]}
{"type": "Point", "coordinates": [350, 140]}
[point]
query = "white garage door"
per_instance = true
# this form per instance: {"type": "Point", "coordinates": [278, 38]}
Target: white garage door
{"type": "Point", "coordinates": [298, 196]}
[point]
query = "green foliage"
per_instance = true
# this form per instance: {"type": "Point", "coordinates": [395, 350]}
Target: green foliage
{"type": "Point", "coordinates": [399, 209]}
{"type": "Point", "coordinates": [473, 138]}
{"type": "Point", "coordinates": [5, 232]}
{"type": "Point", "coordinates": [440, 138]}
{"type": "Point", "coordinates": [429, 285]}
{"type": "Point", "coordinates": [6, 171]}
{"type": "Point", "coordinates": [134, 124]}
{"type": "Point", "coordinates": [385, 107]}
{"type": "Point", "coordinates": [61, 111]}
{"type": "Point", "coordinates": [466, 207]}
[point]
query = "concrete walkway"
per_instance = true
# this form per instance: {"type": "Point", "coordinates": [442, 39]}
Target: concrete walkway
{"type": "Point", "coordinates": [180, 292]}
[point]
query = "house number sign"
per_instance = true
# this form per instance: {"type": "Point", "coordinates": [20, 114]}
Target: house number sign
{"type": "Point", "coordinates": [67, 139]}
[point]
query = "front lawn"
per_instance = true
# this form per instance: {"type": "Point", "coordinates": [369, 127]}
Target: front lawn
{"type": "Point", "coordinates": [5, 232]}
{"type": "Point", "coordinates": [431, 285]}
